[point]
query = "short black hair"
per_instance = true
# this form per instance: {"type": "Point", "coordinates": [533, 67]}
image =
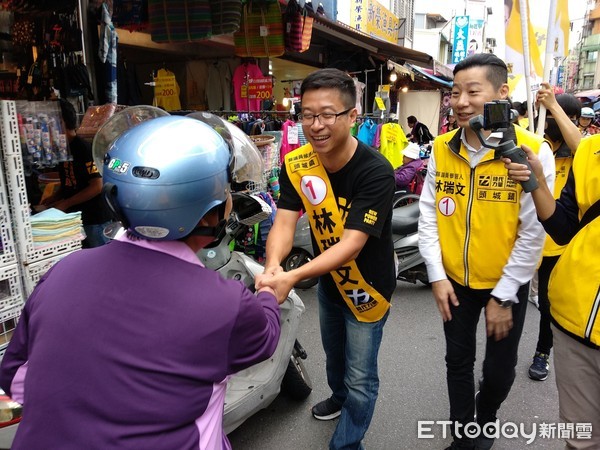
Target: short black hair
{"type": "Point", "coordinates": [411, 119]}
{"type": "Point", "coordinates": [331, 79]}
{"type": "Point", "coordinates": [68, 114]}
{"type": "Point", "coordinates": [497, 73]}
{"type": "Point", "coordinates": [570, 104]}
{"type": "Point", "coordinates": [521, 107]}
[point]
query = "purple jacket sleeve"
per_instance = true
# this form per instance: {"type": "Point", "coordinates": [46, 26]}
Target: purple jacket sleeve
{"type": "Point", "coordinates": [404, 175]}
{"type": "Point", "coordinates": [16, 354]}
{"type": "Point", "coordinates": [256, 332]}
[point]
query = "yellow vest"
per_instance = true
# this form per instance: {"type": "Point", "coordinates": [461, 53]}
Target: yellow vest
{"type": "Point", "coordinates": [574, 289]}
{"type": "Point", "coordinates": [310, 179]}
{"type": "Point", "coordinates": [477, 209]}
{"type": "Point", "coordinates": [563, 160]}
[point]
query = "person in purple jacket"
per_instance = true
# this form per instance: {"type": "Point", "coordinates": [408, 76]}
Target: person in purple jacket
{"type": "Point", "coordinates": [408, 171]}
{"type": "Point", "coordinates": [130, 345]}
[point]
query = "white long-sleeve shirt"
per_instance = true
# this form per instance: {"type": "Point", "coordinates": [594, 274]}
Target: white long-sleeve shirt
{"type": "Point", "coordinates": [527, 249]}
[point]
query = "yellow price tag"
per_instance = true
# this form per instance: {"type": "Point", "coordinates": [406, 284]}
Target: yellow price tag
{"type": "Point", "coordinates": [380, 103]}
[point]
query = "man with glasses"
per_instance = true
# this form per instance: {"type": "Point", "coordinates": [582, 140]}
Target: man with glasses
{"type": "Point", "coordinates": [346, 188]}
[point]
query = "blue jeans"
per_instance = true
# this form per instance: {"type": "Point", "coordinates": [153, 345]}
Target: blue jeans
{"type": "Point", "coordinates": [351, 349]}
{"type": "Point", "coordinates": [95, 235]}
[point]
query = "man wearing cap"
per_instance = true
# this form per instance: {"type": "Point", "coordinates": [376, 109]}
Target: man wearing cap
{"type": "Point", "coordinates": [409, 170]}
{"type": "Point", "coordinates": [586, 127]}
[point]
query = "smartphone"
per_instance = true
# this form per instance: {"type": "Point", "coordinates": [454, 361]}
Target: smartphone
{"type": "Point", "coordinates": [497, 115]}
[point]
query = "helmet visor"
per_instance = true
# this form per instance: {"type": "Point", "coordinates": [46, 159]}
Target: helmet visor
{"type": "Point", "coordinates": [246, 164]}
{"type": "Point", "coordinates": [116, 125]}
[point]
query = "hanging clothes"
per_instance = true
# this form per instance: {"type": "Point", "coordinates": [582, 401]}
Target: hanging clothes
{"type": "Point", "coordinates": [107, 52]}
{"type": "Point", "coordinates": [290, 139]}
{"type": "Point", "coordinates": [385, 97]}
{"type": "Point", "coordinates": [166, 91]}
{"type": "Point", "coordinates": [360, 87]}
{"type": "Point", "coordinates": [393, 141]}
{"type": "Point", "coordinates": [366, 132]}
{"type": "Point", "coordinates": [241, 75]}
{"type": "Point", "coordinates": [218, 86]}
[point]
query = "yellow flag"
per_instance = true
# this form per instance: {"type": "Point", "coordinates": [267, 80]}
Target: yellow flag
{"type": "Point", "coordinates": [514, 45]}
{"type": "Point", "coordinates": [562, 27]}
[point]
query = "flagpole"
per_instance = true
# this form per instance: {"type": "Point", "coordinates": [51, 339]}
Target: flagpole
{"type": "Point", "coordinates": [526, 59]}
{"type": "Point", "coordinates": [548, 62]}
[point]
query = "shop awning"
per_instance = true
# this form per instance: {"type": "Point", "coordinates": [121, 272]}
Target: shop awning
{"type": "Point", "coordinates": [591, 94]}
{"type": "Point", "coordinates": [440, 81]}
{"type": "Point", "coordinates": [378, 47]}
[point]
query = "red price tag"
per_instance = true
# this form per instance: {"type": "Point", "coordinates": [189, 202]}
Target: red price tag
{"type": "Point", "coordinates": [260, 88]}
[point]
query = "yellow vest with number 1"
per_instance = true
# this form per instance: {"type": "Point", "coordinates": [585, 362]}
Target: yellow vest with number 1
{"type": "Point", "coordinates": [311, 181]}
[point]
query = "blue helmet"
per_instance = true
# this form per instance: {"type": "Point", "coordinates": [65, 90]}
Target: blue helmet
{"type": "Point", "coordinates": [165, 174]}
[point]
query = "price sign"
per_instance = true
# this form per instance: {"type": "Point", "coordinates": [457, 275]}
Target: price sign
{"type": "Point", "coordinates": [260, 88]}
{"type": "Point", "coordinates": [165, 86]}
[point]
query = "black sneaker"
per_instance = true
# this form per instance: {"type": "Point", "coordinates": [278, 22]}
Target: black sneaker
{"type": "Point", "coordinates": [326, 410]}
{"type": "Point", "coordinates": [539, 369]}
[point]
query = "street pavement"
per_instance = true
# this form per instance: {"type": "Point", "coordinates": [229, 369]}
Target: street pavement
{"type": "Point", "coordinates": [413, 386]}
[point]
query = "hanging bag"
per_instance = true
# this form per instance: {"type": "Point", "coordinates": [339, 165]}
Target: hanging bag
{"type": "Point", "coordinates": [225, 16]}
{"type": "Point", "coordinates": [298, 26]}
{"type": "Point", "coordinates": [179, 20]}
{"type": "Point", "coordinates": [261, 30]}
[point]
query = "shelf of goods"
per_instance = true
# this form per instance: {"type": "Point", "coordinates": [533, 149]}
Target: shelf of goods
{"type": "Point", "coordinates": [19, 204]}
{"type": "Point", "coordinates": [21, 262]}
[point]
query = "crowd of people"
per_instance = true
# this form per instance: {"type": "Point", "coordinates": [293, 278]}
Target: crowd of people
{"type": "Point", "coordinates": [347, 188]}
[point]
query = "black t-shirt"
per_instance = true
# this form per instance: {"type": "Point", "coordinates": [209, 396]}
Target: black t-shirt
{"type": "Point", "coordinates": [363, 186]}
{"type": "Point", "coordinates": [75, 176]}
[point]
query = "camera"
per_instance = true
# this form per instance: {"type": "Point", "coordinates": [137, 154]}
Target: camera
{"type": "Point", "coordinates": [497, 115]}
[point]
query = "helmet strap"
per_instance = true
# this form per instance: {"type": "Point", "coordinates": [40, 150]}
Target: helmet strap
{"type": "Point", "coordinates": [109, 194]}
{"type": "Point", "coordinates": [217, 231]}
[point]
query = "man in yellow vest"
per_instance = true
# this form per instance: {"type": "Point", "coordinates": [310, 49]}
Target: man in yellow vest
{"type": "Point", "coordinates": [562, 111]}
{"type": "Point", "coordinates": [574, 287]}
{"type": "Point", "coordinates": [481, 241]}
{"type": "Point", "coordinates": [346, 189]}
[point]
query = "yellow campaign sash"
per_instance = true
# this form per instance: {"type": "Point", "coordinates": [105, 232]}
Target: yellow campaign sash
{"type": "Point", "coordinates": [311, 181]}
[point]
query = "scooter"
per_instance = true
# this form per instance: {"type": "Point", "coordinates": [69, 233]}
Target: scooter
{"type": "Point", "coordinates": [255, 388]}
{"type": "Point", "coordinates": [410, 265]}
{"type": "Point", "coordinates": [301, 253]}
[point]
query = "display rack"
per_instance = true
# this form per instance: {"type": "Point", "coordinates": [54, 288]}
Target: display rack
{"type": "Point", "coordinates": [17, 193]}
{"type": "Point", "coordinates": [21, 262]}
{"type": "Point", "coordinates": [33, 272]}
{"type": "Point", "coordinates": [11, 302]}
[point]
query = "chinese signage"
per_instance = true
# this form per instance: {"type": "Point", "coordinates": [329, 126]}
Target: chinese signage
{"type": "Point", "coordinates": [475, 37]}
{"type": "Point", "coordinates": [461, 35]}
{"type": "Point", "coordinates": [259, 88]}
{"type": "Point", "coordinates": [370, 17]}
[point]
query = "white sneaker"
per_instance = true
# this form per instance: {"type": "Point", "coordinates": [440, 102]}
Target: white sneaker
{"type": "Point", "coordinates": [534, 299]}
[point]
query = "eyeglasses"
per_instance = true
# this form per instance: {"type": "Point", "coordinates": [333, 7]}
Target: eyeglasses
{"type": "Point", "coordinates": [325, 118]}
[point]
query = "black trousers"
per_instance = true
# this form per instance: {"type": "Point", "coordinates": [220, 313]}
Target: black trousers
{"type": "Point", "coordinates": [498, 365]}
{"type": "Point", "coordinates": [544, 343]}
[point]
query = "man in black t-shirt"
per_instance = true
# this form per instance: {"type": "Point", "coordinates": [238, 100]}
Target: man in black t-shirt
{"type": "Point", "coordinates": [346, 189]}
{"type": "Point", "coordinates": [80, 183]}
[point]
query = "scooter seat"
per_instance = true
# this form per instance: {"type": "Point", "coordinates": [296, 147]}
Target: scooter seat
{"type": "Point", "coordinates": [405, 220]}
